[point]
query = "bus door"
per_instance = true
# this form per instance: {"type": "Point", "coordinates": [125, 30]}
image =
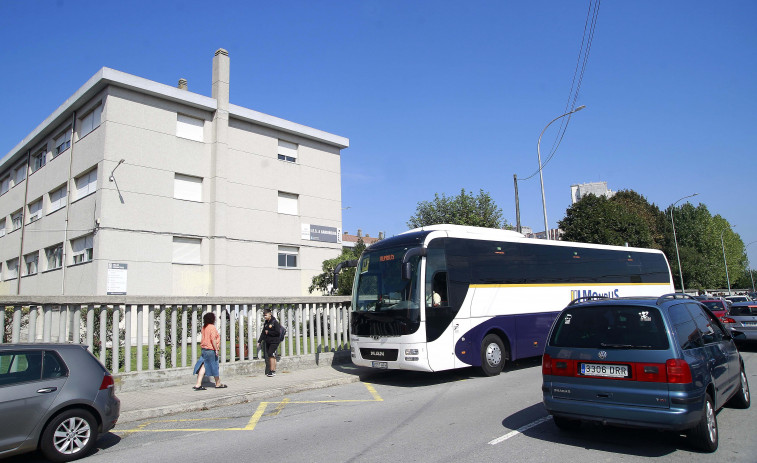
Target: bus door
{"type": "Point", "coordinates": [442, 330]}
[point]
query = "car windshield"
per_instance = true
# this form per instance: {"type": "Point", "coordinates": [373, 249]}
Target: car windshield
{"type": "Point", "coordinates": [743, 310]}
{"type": "Point", "coordinates": [610, 327]}
{"type": "Point", "coordinates": [714, 305]}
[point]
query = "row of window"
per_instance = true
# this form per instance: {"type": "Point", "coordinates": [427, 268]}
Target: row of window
{"type": "Point", "coordinates": [81, 252]}
{"type": "Point", "coordinates": [87, 123]}
{"type": "Point", "coordinates": [189, 188]}
{"type": "Point", "coordinates": [189, 251]}
{"type": "Point", "coordinates": [192, 128]}
{"type": "Point", "coordinates": [85, 185]}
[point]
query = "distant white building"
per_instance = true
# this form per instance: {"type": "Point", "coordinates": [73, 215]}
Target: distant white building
{"type": "Point", "coordinates": [595, 188]}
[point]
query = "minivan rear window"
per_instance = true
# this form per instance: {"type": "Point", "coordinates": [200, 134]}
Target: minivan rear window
{"type": "Point", "coordinates": [743, 310]}
{"type": "Point", "coordinates": [611, 326]}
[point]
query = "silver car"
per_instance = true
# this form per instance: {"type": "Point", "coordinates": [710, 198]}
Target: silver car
{"type": "Point", "coordinates": [53, 397]}
{"type": "Point", "coordinates": [742, 317]}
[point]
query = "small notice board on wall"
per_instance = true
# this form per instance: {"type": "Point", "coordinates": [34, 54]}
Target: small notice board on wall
{"type": "Point", "coordinates": [117, 279]}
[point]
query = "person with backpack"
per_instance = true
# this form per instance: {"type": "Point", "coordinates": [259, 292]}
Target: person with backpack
{"type": "Point", "coordinates": [269, 339]}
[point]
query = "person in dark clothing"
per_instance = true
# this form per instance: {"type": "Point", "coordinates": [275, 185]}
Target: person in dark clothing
{"type": "Point", "coordinates": [269, 339]}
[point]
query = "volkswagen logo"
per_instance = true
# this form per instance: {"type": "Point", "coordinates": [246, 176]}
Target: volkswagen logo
{"type": "Point", "coordinates": [602, 354]}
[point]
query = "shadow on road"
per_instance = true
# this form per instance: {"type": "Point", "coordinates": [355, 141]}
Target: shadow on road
{"type": "Point", "coordinates": [404, 378]}
{"type": "Point", "coordinates": [104, 442]}
{"type": "Point", "coordinates": [623, 441]}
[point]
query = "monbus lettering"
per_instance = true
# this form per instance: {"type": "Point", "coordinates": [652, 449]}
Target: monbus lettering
{"type": "Point", "coordinates": [576, 293]}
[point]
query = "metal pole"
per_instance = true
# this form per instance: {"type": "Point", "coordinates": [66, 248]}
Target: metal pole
{"type": "Point", "coordinates": [517, 205]}
{"type": "Point", "coordinates": [750, 266]}
{"type": "Point", "coordinates": [541, 176]}
{"type": "Point", "coordinates": [728, 279]}
{"type": "Point", "coordinates": [672, 208]}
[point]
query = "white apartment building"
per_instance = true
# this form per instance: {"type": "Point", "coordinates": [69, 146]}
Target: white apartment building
{"type": "Point", "coordinates": [135, 187]}
{"type": "Point", "coordinates": [595, 188]}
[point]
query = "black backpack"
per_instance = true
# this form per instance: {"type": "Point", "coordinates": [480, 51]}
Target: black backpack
{"type": "Point", "coordinates": [282, 331]}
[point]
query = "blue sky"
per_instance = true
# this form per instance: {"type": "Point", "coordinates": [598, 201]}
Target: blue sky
{"type": "Point", "coordinates": [437, 96]}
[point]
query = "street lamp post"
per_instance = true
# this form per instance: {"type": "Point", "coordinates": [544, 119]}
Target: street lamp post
{"type": "Point", "coordinates": [750, 265]}
{"type": "Point", "coordinates": [728, 279]}
{"type": "Point", "coordinates": [541, 176]}
{"type": "Point", "coordinates": [678, 257]}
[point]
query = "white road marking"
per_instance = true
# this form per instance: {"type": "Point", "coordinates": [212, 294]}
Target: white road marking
{"type": "Point", "coordinates": [520, 430]}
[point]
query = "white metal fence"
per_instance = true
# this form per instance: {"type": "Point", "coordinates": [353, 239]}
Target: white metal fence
{"type": "Point", "coordinates": [145, 333]}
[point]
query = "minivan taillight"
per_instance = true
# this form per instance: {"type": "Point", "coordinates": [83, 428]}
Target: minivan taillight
{"type": "Point", "coordinates": [725, 319]}
{"type": "Point", "coordinates": [107, 382]}
{"type": "Point", "coordinates": [546, 364]}
{"type": "Point", "coordinates": [678, 371]}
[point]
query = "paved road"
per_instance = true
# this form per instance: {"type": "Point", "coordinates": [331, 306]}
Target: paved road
{"type": "Point", "coordinates": [403, 416]}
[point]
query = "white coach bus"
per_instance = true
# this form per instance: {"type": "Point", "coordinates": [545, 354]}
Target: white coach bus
{"type": "Point", "coordinates": [450, 296]}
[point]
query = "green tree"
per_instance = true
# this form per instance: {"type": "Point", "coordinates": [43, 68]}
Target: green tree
{"type": "Point", "coordinates": [628, 219]}
{"type": "Point", "coordinates": [463, 209]}
{"type": "Point", "coordinates": [322, 281]}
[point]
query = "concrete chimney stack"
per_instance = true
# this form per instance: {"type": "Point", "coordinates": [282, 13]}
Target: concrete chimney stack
{"type": "Point", "coordinates": [183, 84]}
{"type": "Point", "coordinates": [359, 232]}
{"type": "Point", "coordinates": [221, 78]}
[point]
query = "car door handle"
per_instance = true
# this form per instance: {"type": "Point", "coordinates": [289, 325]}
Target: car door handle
{"type": "Point", "coordinates": [47, 390]}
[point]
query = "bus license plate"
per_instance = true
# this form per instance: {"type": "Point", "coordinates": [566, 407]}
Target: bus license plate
{"type": "Point", "coordinates": [383, 365]}
{"type": "Point", "coordinates": [604, 370]}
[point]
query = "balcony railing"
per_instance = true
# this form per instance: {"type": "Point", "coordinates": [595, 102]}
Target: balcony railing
{"type": "Point", "coordinates": [149, 333]}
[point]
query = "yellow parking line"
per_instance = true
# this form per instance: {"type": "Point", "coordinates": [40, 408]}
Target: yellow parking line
{"type": "Point", "coordinates": [373, 392]}
{"type": "Point", "coordinates": [281, 406]}
{"type": "Point", "coordinates": [253, 420]}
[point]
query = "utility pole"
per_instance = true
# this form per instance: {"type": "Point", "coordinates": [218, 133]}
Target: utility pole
{"type": "Point", "coordinates": [517, 205]}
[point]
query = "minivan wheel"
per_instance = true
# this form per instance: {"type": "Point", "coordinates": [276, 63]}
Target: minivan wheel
{"type": "Point", "coordinates": [69, 436]}
{"type": "Point", "coordinates": [704, 435]}
{"type": "Point", "coordinates": [742, 399]}
{"type": "Point", "coordinates": [492, 355]}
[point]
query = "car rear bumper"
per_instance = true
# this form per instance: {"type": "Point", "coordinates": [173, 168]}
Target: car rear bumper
{"type": "Point", "coordinates": [676, 418]}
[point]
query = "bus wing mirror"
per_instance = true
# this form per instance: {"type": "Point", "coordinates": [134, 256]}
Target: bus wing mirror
{"type": "Point", "coordinates": [407, 268]}
{"type": "Point", "coordinates": [339, 267]}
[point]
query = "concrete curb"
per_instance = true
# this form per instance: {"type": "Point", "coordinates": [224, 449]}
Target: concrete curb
{"type": "Point", "coordinates": [232, 399]}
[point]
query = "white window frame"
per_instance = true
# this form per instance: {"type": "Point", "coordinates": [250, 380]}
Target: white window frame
{"type": "Point", "coordinates": [190, 128]}
{"type": "Point", "coordinates": [82, 249]}
{"type": "Point", "coordinates": [11, 267]}
{"type": "Point", "coordinates": [187, 251]}
{"type": "Point", "coordinates": [57, 199]}
{"type": "Point", "coordinates": [31, 263]}
{"type": "Point", "coordinates": [288, 203]}
{"type": "Point", "coordinates": [187, 187]}
{"type": "Point", "coordinates": [90, 121]}
{"type": "Point", "coordinates": [289, 252]}
{"type": "Point", "coordinates": [17, 220]}
{"type": "Point", "coordinates": [5, 184]}
{"type": "Point", "coordinates": [35, 210]}
{"type": "Point", "coordinates": [39, 159]}
{"type": "Point", "coordinates": [19, 173]}
{"type": "Point", "coordinates": [54, 255]}
{"type": "Point", "coordinates": [287, 151]}
{"type": "Point", "coordinates": [62, 142]}
{"type": "Point", "coordinates": [86, 184]}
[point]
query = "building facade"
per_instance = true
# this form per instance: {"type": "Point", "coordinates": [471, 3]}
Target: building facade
{"type": "Point", "coordinates": [135, 187]}
{"type": "Point", "coordinates": [595, 188]}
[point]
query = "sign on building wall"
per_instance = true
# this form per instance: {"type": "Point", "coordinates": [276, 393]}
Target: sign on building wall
{"type": "Point", "coordinates": [117, 279]}
{"type": "Point", "coordinates": [321, 233]}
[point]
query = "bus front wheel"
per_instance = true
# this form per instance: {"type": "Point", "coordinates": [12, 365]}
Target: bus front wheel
{"type": "Point", "coordinates": [492, 355]}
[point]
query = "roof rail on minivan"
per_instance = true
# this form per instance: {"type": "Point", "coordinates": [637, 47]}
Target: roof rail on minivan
{"type": "Point", "coordinates": [669, 296]}
{"type": "Point", "coordinates": [587, 298]}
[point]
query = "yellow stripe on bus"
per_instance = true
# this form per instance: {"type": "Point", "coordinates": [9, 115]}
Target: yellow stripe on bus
{"type": "Point", "coordinates": [572, 285]}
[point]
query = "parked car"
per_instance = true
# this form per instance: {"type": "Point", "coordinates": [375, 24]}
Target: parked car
{"type": "Point", "coordinates": [733, 299]}
{"type": "Point", "coordinates": [53, 397]}
{"type": "Point", "coordinates": [663, 363]}
{"type": "Point", "coordinates": [742, 318]}
{"type": "Point", "coordinates": [718, 307]}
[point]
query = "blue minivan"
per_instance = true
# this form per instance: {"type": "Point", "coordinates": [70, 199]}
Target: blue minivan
{"type": "Point", "coordinates": [662, 363]}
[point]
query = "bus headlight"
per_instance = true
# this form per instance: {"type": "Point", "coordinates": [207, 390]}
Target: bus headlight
{"type": "Point", "coordinates": [352, 351]}
{"type": "Point", "coordinates": [411, 352]}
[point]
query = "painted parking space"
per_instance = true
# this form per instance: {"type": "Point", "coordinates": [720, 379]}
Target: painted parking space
{"type": "Point", "coordinates": [264, 409]}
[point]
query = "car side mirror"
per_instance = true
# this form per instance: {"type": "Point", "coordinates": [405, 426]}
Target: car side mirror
{"type": "Point", "coordinates": [738, 335]}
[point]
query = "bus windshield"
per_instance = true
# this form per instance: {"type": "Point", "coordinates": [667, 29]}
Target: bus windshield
{"type": "Point", "coordinates": [384, 303]}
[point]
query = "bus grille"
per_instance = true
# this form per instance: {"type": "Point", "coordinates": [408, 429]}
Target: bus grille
{"type": "Point", "coordinates": [379, 354]}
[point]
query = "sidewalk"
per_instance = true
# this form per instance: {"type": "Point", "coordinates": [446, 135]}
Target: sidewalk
{"type": "Point", "coordinates": [155, 402]}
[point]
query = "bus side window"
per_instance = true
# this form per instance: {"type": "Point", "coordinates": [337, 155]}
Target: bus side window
{"type": "Point", "coordinates": [439, 290]}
